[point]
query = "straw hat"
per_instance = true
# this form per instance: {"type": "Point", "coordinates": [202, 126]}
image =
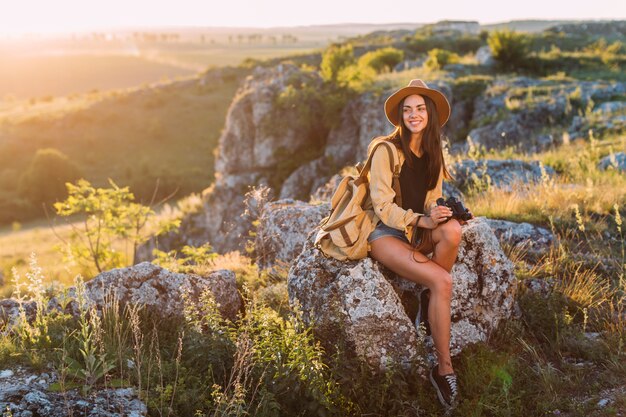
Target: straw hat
{"type": "Point", "coordinates": [417, 87]}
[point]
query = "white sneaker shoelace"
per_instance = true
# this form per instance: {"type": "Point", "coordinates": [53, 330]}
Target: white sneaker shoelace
{"type": "Point", "coordinates": [451, 380]}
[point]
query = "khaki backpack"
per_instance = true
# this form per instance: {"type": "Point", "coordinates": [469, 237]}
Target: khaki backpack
{"type": "Point", "coordinates": [343, 234]}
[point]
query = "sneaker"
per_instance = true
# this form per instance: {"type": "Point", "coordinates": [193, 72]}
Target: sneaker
{"type": "Point", "coordinates": [422, 311]}
{"type": "Point", "coordinates": [445, 385]}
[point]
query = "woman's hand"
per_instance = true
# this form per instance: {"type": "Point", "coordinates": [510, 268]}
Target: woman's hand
{"type": "Point", "coordinates": [438, 214]}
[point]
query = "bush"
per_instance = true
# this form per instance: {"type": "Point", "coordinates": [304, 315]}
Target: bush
{"type": "Point", "coordinates": [334, 58]}
{"type": "Point", "coordinates": [422, 43]}
{"type": "Point", "coordinates": [381, 60]}
{"type": "Point", "coordinates": [356, 77]}
{"type": "Point", "coordinates": [510, 49]}
{"type": "Point", "coordinates": [44, 179]}
{"type": "Point", "coordinates": [438, 58]}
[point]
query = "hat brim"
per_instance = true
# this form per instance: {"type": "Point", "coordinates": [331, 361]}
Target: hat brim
{"type": "Point", "coordinates": [441, 103]}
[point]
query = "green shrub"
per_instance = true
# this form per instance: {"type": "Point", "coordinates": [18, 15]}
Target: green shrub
{"type": "Point", "coordinates": [438, 58]}
{"type": "Point", "coordinates": [422, 43]}
{"type": "Point", "coordinates": [382, 60]}
{"type": "Point", "coordinates": [44, 179]}
{"type": "Point", "coordinates": [108, 214]}
{"type": "Point", "coordinates": [356, 77]}
{"type": "Point", "coordinates": [510, 49]}
{"type": "Point", "coordinates": [334, 58]}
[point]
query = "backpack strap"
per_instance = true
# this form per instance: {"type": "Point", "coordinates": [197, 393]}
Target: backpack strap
{"type": "Point", "coordinates": [394, 166]}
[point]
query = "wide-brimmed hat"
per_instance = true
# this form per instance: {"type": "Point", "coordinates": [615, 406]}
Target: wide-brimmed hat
{"type": "Point", "coordinates": [417, 87]}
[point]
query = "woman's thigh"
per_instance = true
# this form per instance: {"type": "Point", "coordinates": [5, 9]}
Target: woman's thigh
{"type": "Point", "coordinates": [400, 257]}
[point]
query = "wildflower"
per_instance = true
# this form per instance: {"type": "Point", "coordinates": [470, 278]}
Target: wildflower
{"type": "Point", "coordinates": [579, 219]}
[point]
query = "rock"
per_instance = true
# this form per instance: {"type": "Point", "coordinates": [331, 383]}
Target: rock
{"type": "Point", "coordinates": [513, 112]}
{"type": "Point", "coordinates": [611, 107]}
{"type": "Point", "coordinates": [613, 161]}
{"type": "Point", "coordinates": [484, 56]}
{"type": "Point", "coordinates": [7, 373]}
{"type": "Point", "coordinates": [162, 291]}
{"type": "Point", "coordinates": [409, 64]}
{"type": "Point", "coordinates": [25, 398]}
{"type": "Point", "coordinates": [326, 191]}
{"type": "Point", "coordinates": [305, 180]}
{"type": "Point", "coordinates": [151, 286]}
{"type": "Point", "coordinates": [497, 173]}
{"type": "Point", "coordinates": [522, 235]}
{"type": "Point", "coordinates": [250, 152]}
{"type": "Point", "coordinates": [354, 305]}
{"type": "Point", "coordinates": [10, 311]}
{"type": "Point", "coordinates": [283, 229]}
{"type": "Point", "coordinates": [351, 303]}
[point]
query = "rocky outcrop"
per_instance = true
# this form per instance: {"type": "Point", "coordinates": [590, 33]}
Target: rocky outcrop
{"type": "Point", "coordinates": [354, 305]}
{"type": "Point", "coordinates": [258, 139]}
{"type": "Point", "coordinates": [25, 393]}
{"type": "Point", "coordinates": [156, 289]}
{"type": "Point", "coordinates": [283, 228]}
{"type": "Point", "coordinates": [162, 291]}
{"type": "Point", "coordinates": [613, 161]}
{"type": "Point", "coordinates": [525, 236]}
{"type": "Point", "coordinates": [497, 173]}
{"type": "Point", "coordinates": [484, 56]}
{"type": "Point", "coordinates": [515, 112]}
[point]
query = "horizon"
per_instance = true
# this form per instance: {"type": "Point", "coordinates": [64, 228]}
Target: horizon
{"type": "Point", "coordinates": [74, 16]}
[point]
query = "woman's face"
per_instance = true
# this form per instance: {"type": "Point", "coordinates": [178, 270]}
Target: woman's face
{"type": "Point", "coordinates": [414, 113]}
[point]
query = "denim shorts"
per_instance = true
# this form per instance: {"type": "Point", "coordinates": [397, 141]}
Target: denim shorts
{"type": "Point", "coordinates": [382, 230]}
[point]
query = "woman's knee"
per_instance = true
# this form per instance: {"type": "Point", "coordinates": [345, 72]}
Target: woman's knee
{"type": "Point", "coordinates": [451, 232]}
{"type": "Point", "coordinates": [443, 284]}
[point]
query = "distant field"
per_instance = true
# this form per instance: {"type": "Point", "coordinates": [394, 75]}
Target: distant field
{"type": "Point", "coordinates": [227, 56]}
{"type": "Point", "coordinates": [64, 72]}
{"type": "Point", "coordinates": [44, 75]}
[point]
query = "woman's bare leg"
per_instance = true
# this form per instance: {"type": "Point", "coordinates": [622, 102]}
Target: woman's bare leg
{"type": "Point", "coordinates": [446, 239]}
{"type": "Point", "coordinates": [398, 256]}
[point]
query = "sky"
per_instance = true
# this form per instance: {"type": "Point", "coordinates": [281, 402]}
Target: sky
{"type": "Point", "coordinates": [57, 16]}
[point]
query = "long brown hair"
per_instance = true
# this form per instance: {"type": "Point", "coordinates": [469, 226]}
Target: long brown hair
{"type": "Point", "coordinates": [431, 142]}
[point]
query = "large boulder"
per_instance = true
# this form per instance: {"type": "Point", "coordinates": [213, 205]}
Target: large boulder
{"type": "Point", "coordinates": [355, 305]}
{"type": "Point", "coordinates": [25, 393]}
{"type": "Point", "coordinates": [524, 236]}
{"type": "Point", "coordinates": [158, 290]}
{"type": "Point", "coordinates": [615, 161]}
{"type": "Point", "coordinates": [162, 291]}
{"type": "Point", "coordinates": [498, 173]}
{"type": "Point", "coordinates": [283, 228]}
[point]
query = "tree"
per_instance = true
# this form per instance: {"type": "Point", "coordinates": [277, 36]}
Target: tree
{"type": "Point", "coordinates": [438, 58]}
{"type": "Point", "coordinates": [109, 215]}
{"type": "Point", "coordinates": [334, 59]}
{"type": "Point", "coordinates": [510, 49]}
{"type": "Point", "coordinates": [44, 179]}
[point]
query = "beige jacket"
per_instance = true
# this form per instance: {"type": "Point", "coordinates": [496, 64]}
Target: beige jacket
{"type": "Point", "coordinates": [382, 194]}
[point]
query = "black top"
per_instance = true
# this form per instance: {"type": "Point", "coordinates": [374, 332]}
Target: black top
{"type": "Point", "coordinates": [413, 183]}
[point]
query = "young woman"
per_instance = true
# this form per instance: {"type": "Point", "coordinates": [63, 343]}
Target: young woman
{"type": "Point", "coordinates": [418, 113]}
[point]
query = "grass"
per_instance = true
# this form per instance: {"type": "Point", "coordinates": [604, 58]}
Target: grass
{"type": "Point", "coordinates": [165, 133]}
